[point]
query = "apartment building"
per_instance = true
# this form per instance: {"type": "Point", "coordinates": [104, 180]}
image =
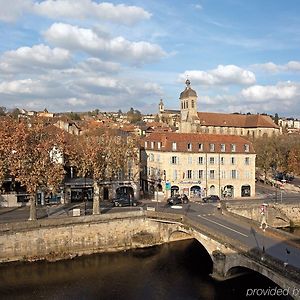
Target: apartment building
{"type": "Point", "coordinates": [198, 165]}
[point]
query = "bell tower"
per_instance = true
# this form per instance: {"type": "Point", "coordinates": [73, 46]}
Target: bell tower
{"type": "Point", "coordinates": [161, 106]}
{"type": "Point", "coordinates": [188, 103]}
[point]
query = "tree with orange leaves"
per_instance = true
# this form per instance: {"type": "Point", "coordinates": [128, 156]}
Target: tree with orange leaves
{"type": "Point", "coordinates": [31, 162]}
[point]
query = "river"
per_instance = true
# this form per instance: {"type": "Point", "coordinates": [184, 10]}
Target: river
{"type": "Point", "coordinates": [172, 271]}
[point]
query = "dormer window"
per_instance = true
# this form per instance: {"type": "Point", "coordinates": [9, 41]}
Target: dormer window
{"type": "Point", "coordinates": [200, 146]}
{"type": "Point", "coordinates": [146, 144]}
{"type": "Point", "coordinates": [158, 145]}
{"type": "Point", "coordinates": [152, 145]}
{"type": "Point", "coordinates": [189, 147]}
{"type": "Point", "coordinates": [174, 146]}
{"type": "Point", "coordinates": [223, 148]}
{"type": "Point", "coordinates": [233, 147]}
{"type": "Point", "coordinates": [246, 148]}
{"type": "Point", "coordinates": [211, 147]}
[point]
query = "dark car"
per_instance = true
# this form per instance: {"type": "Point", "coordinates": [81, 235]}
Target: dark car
{"type": "Point", "coordinates": [124, 200]}
{"type": "Point", "coordinates": [211, 199]}
{"type": "Point", "coordinates": [178, 199]}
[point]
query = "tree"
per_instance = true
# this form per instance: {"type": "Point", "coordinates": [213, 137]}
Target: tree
{"type": "Point", "coordinates": [2, 111]}
{"type": "Point", "coordinates": [30, 161]}
{"type": "Point", "coordinates": [74, 116]}
{"type": "Point", "coordinates": [276, 119]}
{"type": "Point", "coordinates": [134, 116]}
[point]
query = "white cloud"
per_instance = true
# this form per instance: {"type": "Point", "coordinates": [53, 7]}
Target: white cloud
{"type": "Point", "coordinates": [76, 102]}
{"type": "Point", "coordinates": [84, 9]}
{"type": "Point", "coordinates": [12, 10]}
{"type": "Point", "coordinates": [198, 6]}
{"type": "Point", "coordinates": [222, 75]}
{"type": "Point", "coordinates": [76, 38]}
{"type": "Point", "coordinates": [19, 87]}
{"type": "Point", "coordinates": [73, 9]}
{"type": "Point", "coordinates": [38, 56]}
{"type": "Point", "coordinates": [270, 67]}
{"type": "Point", "coordinates": [283, 91]}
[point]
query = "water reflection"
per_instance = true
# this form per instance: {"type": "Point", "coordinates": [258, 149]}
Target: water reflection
{"type": "Point", "coordinates": [172, 271]}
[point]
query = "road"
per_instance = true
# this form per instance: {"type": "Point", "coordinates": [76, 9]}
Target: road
{"type": "Point", "coordinates": [246, 233]}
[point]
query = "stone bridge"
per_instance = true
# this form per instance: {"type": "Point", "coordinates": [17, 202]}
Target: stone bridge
{"type": "Point", "coordinates": [230, 258]}
{"type": "Point", "coordinates": [54, 239]}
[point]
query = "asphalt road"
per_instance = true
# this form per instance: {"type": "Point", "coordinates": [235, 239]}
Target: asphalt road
{"type": "Point", "coordinates": [209, 215]}
{"type": "Point", "coordinates": [247, 233]}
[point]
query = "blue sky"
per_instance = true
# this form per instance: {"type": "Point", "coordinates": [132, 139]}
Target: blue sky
{"type": "Point", "coordinates": [78, 55]}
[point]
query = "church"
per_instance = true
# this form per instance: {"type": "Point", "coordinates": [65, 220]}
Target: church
{"type": "Point", "coordinates": [189, 120]}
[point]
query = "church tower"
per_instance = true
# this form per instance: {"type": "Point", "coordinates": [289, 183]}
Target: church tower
{"type": "Point", "coordinates": [161, 106]}
{"type": "Point", "coordinates": [188, 109]}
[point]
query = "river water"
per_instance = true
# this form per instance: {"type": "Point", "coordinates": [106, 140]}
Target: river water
{"type": "Point", "coordinates": [172, 271]}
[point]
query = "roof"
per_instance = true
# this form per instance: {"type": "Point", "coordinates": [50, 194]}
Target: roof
{"type": "Point", "coordinates": [182, 139]}
{"type": "Point", "coordinates": [188, 92]}
{"type": "Point", "coordinates": [236, 120]}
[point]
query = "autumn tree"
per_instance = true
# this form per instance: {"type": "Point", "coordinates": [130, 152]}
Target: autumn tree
{"type": "Point", "coordinates": [32, 160]}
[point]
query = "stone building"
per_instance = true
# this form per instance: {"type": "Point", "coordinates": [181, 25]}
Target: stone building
{"type": "Point", "coordinates": [198, 165]}
{"type": "Point", "coordinates": [191, 121]}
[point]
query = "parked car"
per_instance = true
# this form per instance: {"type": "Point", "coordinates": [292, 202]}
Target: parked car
{"type": "Point", "coordinates": [211, 199]}
{"type": "Point", "coordinates": [284, 177]}
{"type": "Point", "coordinates": [178, 199]}
{"type": "Point", "coordinates": [124, 200]}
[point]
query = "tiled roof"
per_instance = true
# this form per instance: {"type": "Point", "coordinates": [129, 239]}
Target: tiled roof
{"type": "Point", "coordinates": [183, 139]}
{"type": "Point", "coordinates": [235, 120]}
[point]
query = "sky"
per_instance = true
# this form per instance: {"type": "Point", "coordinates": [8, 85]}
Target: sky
{"type": "Point", "coordinates": [79, 55]}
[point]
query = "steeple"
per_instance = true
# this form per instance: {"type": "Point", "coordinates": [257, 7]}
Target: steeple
{"type": "Point", "coordinates": [161, 106]}
{"type": "Point", "coordinates": [188, 102]}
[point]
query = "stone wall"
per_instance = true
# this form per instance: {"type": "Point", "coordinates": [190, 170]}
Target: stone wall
{"type": "Point", "coordinates": [278, 215]}
{"type": "Point", "coordinates": [54, 239]}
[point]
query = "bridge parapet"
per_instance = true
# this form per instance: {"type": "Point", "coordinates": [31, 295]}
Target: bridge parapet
{"type": "Point", "coordinates": [228, 254]}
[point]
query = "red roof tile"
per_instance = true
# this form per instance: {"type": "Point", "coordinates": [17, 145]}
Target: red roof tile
{"type": "Point", "coordinates": [183, 139]}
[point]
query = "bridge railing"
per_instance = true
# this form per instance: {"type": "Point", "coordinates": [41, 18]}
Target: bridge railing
{"type": "Point", "coordinates": [255, 254]}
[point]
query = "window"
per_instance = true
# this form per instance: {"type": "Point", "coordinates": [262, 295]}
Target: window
{"type": "Point", "coordinates": [174, 160]}
{"type": "Point", "coordinates": [233, 174]}
{"type": "Point", "coordinates": [223, 148]}
{"type": "Point", "coordinates": [200, 147]}
{"type": "Point", "coordinates": [222, 160]}
{"type": "Point", "coordinates": [223, 174]}
{"type": "Point", "coordinates": [246, 148]}
{"type": "Point", "coordinates": [247, 161]}
{"type": "Point", "coordinates": [174, 146]}
{"type": "Point", "coordinates": [193, 104]}
{"type": "Point", "coordinates": [212, 174]}
{"type": "Point", "coordinates": [174, 174]}
{"type": "Point", "coordinates": [211, 160]}
{"type": "Point", "coordinates": [151, 157]}
{"type": "Point", "coordinates": [233, 147]}
{"type": "Point", "coordinates": [158, 158]}
{"type": "Point", "coordinates": [247, 175]}
{"type": "Point", "coordinates": [189, 174]}
{"type": "Point", "coordinates": [200, 174]}
{"type": "Point", "coordinates": [190, 160]}
{"type": "Point", "coordinates": [158, 145]}
{"type": "Point", "coordinates": [181, 105]}
{"type": "Point", "coordinates": [187, 104]}
{"type": "Point", "coordinates": [211, 147]}
{"type": "Point", "coordinates": [200, 160]}
{"type": "Point", "coordinates": [232, 160]}
{"type": "Point", "coordinates": [152, 145]}
{"type": "Point", "coordinates": [146, 144]}
{"type": "Point", "coordinates": [189, 147]}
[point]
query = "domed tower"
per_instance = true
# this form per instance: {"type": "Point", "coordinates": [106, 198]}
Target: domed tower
{"type": "Point", "coordinates": [188, 108]}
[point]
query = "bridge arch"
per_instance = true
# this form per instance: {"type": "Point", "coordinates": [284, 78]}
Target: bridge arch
{"type": "Point", "coordinates": [179, 234]}
{"type": "Point", "coordinates": [245, 266]}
